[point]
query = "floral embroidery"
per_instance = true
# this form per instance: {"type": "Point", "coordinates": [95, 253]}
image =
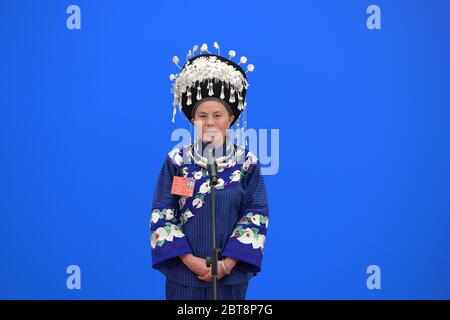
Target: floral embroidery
{"type": "Point", "coordinates": [236, 176]}
{"type": "Point", "coordinates": [166, 233]}
{"type": "Point", "coordinates": [250, 236]}
{"type": "Point", "coordinates": [256, 219]}
{"type": "Point", "coordinates": [198, 201]}
{"type": "Point", "coordinates": [220, 184]}
{"type": "Point", "coordinates": [182, 202]}
{"type": "Point", "coordinates": [205, 187]}
{"type": "Point", "coordinates": [185, 216]}
{"type": "Point", "coordinates": [199, 174]}
{"type": "Point", "coordinates": [250, 159]}
{"type": "Point", "coordinates": [167, 214]}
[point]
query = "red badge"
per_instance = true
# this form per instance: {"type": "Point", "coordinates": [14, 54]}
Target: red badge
{"type": "Point", "coordinates": [183, 186]}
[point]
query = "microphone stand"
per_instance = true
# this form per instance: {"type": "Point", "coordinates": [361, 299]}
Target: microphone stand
{"type": "Point", "coordinates": [213, 260]}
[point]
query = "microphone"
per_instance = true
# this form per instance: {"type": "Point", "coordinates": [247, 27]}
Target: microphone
{"type": "Point", "coordinates": [211, 163]}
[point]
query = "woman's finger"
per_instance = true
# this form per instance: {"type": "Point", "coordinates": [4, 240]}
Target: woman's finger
{"type": "Point", "coordinates": [204, 278]}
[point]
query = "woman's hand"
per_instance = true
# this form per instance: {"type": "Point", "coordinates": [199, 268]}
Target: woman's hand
{"type": "Point", "coordinates": [195, 264]}
{"type": "Point", "coordinates": [229, 264]}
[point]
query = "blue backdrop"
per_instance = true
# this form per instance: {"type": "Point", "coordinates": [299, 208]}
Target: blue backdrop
{"type": "Point", "coordinates": [363, 115]}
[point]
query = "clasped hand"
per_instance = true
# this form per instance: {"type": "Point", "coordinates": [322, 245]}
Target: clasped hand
{"type": "Point", "coordinates": [198, 266]}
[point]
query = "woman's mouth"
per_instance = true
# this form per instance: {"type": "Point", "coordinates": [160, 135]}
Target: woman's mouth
{"type": "Point", "coordinates": [212, 134]}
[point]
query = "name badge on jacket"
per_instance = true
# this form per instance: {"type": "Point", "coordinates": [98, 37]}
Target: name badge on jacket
{"type": "Point", "coordinates": [183, 186]}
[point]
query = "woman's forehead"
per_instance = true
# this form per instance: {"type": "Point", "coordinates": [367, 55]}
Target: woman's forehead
{"type": "Point", "coordinates": [210, 107]}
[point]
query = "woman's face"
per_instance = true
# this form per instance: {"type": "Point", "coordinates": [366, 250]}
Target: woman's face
{"type": "Point", "coordinates": [212, 119]}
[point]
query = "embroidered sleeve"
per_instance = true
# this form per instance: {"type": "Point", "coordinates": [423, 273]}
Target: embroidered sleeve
{"type": "Point", "coordinates": [167, 238]}
{"type": "Point", "coordinates": [246, 242]}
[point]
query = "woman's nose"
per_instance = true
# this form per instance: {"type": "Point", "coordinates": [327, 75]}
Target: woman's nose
{"type": "Point", "coordinates": [210, 122]}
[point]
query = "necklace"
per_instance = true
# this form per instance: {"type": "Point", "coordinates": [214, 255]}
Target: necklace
{"type": "Point", "coordinates": [229, 159]}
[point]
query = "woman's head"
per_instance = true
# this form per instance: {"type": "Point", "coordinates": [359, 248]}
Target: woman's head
{"type": "Point", "coordinates": [212, 118]}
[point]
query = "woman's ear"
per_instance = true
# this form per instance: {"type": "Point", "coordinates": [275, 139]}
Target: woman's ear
{"type": "Point", "coordinates": [231, 119]}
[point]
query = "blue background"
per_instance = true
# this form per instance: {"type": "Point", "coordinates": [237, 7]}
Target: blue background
{"type": "Point", "coordinates": [364, 142]}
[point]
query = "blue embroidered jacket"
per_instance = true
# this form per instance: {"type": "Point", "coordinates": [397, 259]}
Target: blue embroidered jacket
{"type": "Point", "coordinates": [182, 225]}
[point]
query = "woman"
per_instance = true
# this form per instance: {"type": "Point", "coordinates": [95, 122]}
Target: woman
{"type": "Point", "coordinates": [210, 90]}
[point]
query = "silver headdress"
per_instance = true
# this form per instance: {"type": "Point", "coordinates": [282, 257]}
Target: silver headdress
{"type": "Point", "coordinates": [210, 76]}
